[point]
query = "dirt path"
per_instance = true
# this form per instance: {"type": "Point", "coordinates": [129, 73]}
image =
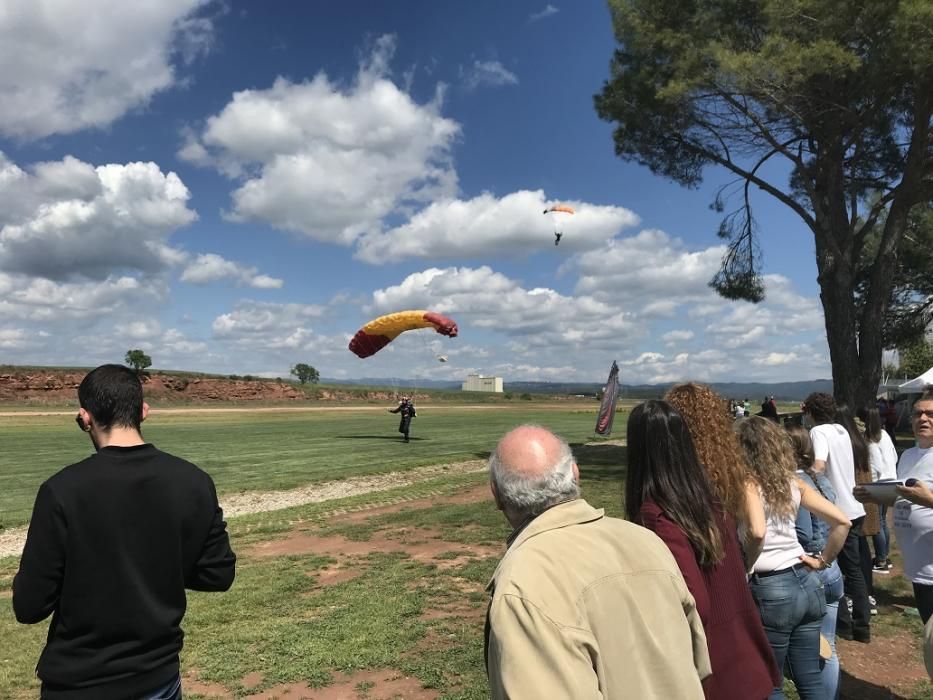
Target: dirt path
{"type": "Point", "coordinates": [235, 504]}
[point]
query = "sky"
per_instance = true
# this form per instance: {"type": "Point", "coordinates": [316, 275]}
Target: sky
{"type": "Point", "coordinates": [237, 187]}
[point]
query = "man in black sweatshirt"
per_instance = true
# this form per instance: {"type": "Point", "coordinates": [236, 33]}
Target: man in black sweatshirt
{"type": "Point", "coordinates": [113, 543]}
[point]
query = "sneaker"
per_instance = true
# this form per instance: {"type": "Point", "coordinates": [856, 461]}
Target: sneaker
{"type": "Point", "coordinates": [873, 605]}
{"type": "Point", "coordinates": [889, 564]}
{"type": "Point", "coordinates": [881, 568]}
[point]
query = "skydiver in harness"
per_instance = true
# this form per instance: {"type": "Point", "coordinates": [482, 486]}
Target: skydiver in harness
{"type": "Point", "coordinates": [557, 237]}
{"type": "Point", "coordinates": [407, 410]}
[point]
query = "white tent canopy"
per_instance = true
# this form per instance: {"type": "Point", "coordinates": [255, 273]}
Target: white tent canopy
{"type": "Point", "coordinates": [918, 384]}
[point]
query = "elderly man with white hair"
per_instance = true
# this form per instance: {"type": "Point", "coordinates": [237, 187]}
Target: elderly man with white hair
{"type": "Point", "coordinates": [583, 606]}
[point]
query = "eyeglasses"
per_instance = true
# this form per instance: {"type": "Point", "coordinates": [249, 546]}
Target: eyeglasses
{"type": "Point", "coordinates": [920, 413]}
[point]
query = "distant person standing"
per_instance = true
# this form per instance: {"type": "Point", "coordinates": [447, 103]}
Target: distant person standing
{"type": "Point", "coordinates": [406, 409]}
{"type": "Point", "coordinates": [883, 460]}
{"type": "Point", "coordinates": [834, 455]}
{"type": "Point", "coordinates": [769, 409]}
{"type": "Point", "coordinates": [113, 543]}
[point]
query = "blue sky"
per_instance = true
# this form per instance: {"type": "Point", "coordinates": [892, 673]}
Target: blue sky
{"type": "Point", "coordinates": [237, 187]}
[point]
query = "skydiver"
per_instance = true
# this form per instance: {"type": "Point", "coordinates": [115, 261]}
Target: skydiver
{"type": "Point", "coordinates": [557, 237]}
{"type": "Point", "coordinates": [407, 410]}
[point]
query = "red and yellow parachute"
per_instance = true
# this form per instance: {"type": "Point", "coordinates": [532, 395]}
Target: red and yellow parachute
{"type": "Point", "coordinates": [381, 331]}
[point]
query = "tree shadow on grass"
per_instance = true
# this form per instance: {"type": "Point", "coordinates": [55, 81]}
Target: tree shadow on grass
{"type": "Point", "coordinates": [601, 462]}
{"type": "Point", "coordinates": [852, 688]}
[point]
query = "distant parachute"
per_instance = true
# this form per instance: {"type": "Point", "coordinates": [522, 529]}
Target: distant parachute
{"type": "Point", "coordinates": [379, 332]}
{"type": "Point", "coordinates": [560, 214]}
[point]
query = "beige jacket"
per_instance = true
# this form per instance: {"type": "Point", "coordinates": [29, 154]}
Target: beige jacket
{"type": "Point", "coordinates": [584, 606]}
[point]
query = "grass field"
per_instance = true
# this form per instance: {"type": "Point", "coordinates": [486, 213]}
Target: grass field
{"type": "Point", "coordinates": [270, 450]}
{"type": "Point", "coordinates": [367, 594]}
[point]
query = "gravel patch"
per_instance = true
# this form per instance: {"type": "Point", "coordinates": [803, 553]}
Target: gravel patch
{"type": "Point", "coordinates": [236, 504]}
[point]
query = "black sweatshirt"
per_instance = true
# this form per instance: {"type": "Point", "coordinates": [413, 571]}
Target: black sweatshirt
{"type": "Point", "coordinates": [113, 543]}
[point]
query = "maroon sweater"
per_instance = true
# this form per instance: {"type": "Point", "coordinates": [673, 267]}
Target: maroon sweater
{"type": "Point", "coordinates": [741, 658]}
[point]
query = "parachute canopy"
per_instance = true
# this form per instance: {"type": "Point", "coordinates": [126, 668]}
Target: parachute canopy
{"type": "Point", "coordinates": [563, 208]}
{"type": "Point", "coordinates": [381, 331]}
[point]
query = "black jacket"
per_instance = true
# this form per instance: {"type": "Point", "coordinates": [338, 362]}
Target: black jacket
{"type": "Point", "coordinates": [113, 543]}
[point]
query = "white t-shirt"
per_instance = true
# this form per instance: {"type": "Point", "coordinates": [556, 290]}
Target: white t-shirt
{"type": "Point", "coordinates": [913, 524]}
{"type": "Point", "coordinates": [883, 458]}
{"type": "Point", "coordinates": [832, 444]}
{"type": "Point", "coordinates": [781, 548]}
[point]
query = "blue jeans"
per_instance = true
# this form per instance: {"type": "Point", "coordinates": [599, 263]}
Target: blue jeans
{"type": "Point", "coordinates": [882, 541]}
{"type": "Point", "coordinates": [168, 691]}
{"type": "Point", "coordinates": [832, 585]}
{"type": "Point", "coordinates": [792, 604]}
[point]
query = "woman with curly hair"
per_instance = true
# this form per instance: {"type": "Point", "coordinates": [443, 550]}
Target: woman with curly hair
{"type": "Point", "coordinates": [707, 417]}
{"type": "Point", "coordinates": [785, 583]}
{"type": "Point", "coordinates": [668, 491]}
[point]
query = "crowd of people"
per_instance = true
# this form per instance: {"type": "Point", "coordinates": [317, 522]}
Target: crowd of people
{"type": "Point", "coordinates": [743, 546]}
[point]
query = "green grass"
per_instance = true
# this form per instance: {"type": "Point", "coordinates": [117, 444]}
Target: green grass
{"type": "Point", "coordinates": [268, 451]}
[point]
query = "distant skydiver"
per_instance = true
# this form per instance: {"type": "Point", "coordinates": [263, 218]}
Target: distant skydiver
{"type": "Point", "coordinates": [560, 214]}
{"type": "Point", "coordinates": [557, 237]}
{"type": "Point", "coordinates": [407, 410]}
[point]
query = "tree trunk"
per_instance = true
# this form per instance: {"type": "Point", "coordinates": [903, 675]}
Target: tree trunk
{"type": "Point", "coordinates": [837, 281]}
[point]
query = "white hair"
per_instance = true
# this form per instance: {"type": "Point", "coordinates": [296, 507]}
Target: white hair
{"type": "Point", "coordinates": [531, 496]}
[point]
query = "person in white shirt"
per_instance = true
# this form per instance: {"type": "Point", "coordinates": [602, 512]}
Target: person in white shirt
{"type": "Point", "coordinates": [883, 459]}
{"type": "Point", "coordinates": [913, 511]}
{"type": "Point", "coordinates": [833, 455]}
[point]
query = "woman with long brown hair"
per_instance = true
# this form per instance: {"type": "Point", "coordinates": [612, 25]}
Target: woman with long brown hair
{"type": "Point", "coordinates": [710, 425]}
{"type": "Point", "coordinates": [668, 491]}
{"type": "Point", "coordinates": [785, 582]}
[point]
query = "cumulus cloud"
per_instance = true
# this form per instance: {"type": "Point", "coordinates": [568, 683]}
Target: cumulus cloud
{"type": "Point", "coordinates": [210, 267]}
{"type": "Point", "coordinates": [548, 10]}
{"type": "Point", "coordinates": [67, 219]}
{"type": "Point", "coordinates": [252, 319]}
{"type": "Point", "coordinates": [542, 317]}
{"type": "Point", "coordinates": [488, 74]}
{"type": "Point", "coordinates": [651, 266]}
{"type": "Point", "coordinates": [70, 66]}
{"type": "Point", "coordinates": [677, 336]}
{"type": "Point", "coordinates": [43, 300]}
{"type": "Point", "coordinates": [509, 225]}
{"type": "Point", "coordinates": [326, 161]}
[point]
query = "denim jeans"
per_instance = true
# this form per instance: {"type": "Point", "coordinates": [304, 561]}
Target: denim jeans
{"type": "Point", "coordinates": [832, 585]}
{"type": "Point", "coordinates": [168, 691]}
{"type": "Point", "coordinates": [792, 604]}
{"type": "Point", "coordinates": [882, 541]}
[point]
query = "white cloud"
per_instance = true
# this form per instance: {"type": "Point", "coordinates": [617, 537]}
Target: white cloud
{"type": "Point", "coordinates": [210, 267]}
{"type": "Point", "coordinates": [488, 74]}
{"type": "Point", "coordinates": [542, 317]}
{"type": "Point", "coordinates": [652, 266]}
{"type": "Point", "coordinates": [330, 162]}
{"type": "Point", "coordinates": [69, 66]}
{"type": "Point", "coordinates": [510, 225]}
{"type": "Point", "coordinates": [548, 10]}
{"type": "Point", "coordinates": [677, 336]}
{"type": "Point", "coordinates": [68, 219]}
{"type": "Point", "coordinates": [42, 300]}
{"type": "Point", "coordinates": [253, 319]}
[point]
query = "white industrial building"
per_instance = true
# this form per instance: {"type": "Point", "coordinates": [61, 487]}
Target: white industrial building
{"type": "Point", "coordinates": [477, 382]}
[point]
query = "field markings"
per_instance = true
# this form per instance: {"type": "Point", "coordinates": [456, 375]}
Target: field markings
{"type": "Point", "coordinates": [249, 502]}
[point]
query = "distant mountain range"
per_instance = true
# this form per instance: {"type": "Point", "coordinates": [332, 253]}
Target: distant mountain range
{"type": "Point", "coordinates": [753, 391]}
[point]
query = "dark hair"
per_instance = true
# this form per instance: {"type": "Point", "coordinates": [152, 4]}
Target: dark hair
{"type": "Point", "coordinates": [821, 407]}
{"type": "Point", "coordinates": [803, 446]}
{"type": "Point", "coordinates": [113, 395]}
{"type": "Point", "coordinates": [663, 466]}
{"type": "Point", "coordinates": [859, 445]}
{"type": "Point", "coordinates": [871, 417]}
{"type": "Point", "coordinates": [927, 394]}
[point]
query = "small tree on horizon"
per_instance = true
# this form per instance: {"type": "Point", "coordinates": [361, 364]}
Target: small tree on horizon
{"type": "Point", "coordinates": [305, 373]}
{"type": "Point", "coordinates": [138, 360]}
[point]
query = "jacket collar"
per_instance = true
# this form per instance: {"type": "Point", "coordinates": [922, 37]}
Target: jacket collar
{"type": "Point", "coordinates": [573, 512]}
